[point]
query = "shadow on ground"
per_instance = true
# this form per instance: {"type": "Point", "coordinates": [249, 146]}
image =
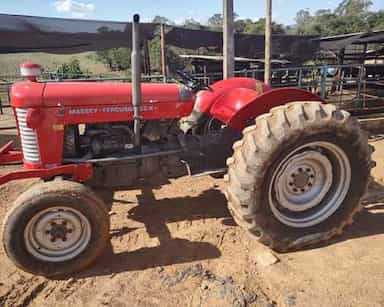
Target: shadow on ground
{"type": "Point", "coordinates": [369, 222]}
{"type": "Point", "coordinates": [155, 214]}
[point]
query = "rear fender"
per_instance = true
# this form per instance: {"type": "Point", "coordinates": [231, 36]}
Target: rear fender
{"type": "Point", "coordinates": [206, 99]}
{"type": "Point", "coordinates": [240, 106]}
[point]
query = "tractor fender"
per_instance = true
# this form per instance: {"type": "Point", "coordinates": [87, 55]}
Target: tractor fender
{"type": "Point", "coordinates": [240, 106]}
{"type": "Point", "coordinates": [206, 98]}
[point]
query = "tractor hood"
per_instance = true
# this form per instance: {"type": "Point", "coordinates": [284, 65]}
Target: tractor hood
{"type": "Point", "coordinates": [27, 94]}
{"type": "Point", "coordinates": [35, 94]}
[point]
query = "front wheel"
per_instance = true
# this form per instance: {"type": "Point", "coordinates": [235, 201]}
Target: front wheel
{"type": "Point", "coordinates": [297, 176]}
{"type": "Point", "coordinates": [56, 228]}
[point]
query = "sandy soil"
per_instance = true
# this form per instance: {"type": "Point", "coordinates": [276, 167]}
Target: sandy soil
{"type": "Point", "coordinates": [178, 246]}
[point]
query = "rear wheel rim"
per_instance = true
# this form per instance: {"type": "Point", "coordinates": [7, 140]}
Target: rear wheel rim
{"type": "Point", "coordinates": [310, 184]}
{"type": "Point", "coordinates": [57, 234]}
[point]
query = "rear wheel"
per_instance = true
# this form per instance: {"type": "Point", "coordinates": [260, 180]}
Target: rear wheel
{"type": "Point", "coordinates": [297, 176]}
{"type": "Point", "coordinates": [56, 228]}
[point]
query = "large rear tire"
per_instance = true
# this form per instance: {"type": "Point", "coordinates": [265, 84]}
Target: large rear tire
{"type": "Point", "coordinates": [56, 228]}
{"type": "Point", "coordinates": [296, 178]}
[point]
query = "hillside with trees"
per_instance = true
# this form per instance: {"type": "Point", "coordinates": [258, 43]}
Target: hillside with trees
{"type": "Point", "coordinates": [349, 16]}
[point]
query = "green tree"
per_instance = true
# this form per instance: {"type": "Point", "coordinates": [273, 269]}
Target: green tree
{"type": "Point", "coordinates": [349, 16]}
{"type": "Point", "coordinates": [216, 21]}
{"type": "Point", "coordinates": [174, 62]}
{"type": "Point", "coordinates": [193, 24]}
{"type": "Point", "coordinates": [161, 19]}
{"type": "Point", "coordinates": [241, 24]}
{"type": "Point", "coordinates": [304, 22]}
{"type": "Point", "coordinates": [258, 27]}
{"type": "Point", "coordinates": [115, 58]}
{"type": "Point", "coordinates": [353, 7]}
{"type": "Point", "coordinates": [376, 20]}
{"type": "Point", "coordinates": [71, 70]}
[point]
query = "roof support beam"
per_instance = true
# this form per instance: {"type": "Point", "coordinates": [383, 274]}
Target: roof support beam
{"type": "Point", "coordinates": [268, 47]}
{"type": "Point", "coordinates": [228, 40]}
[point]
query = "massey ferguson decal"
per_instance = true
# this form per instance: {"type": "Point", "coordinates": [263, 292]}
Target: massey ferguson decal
{"type": "Point", "coordinates": [111, 109]}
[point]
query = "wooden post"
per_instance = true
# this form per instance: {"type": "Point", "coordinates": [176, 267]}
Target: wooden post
{"type": "Point", "coordinates": [163, 53]}
{"type": "Point", "coordinates": [147, 61]}
{"type": "Point", "coordinates": [228, 40]}
{"type": "Point", "coordinates": [268, 35]}
{"type": "Point", "coordinates": [364, 54]}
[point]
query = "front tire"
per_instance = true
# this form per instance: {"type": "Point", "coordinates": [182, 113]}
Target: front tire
{"type": "Point", "coordinates": [297, 176]}
{"type": "Point", "coordinates": [56, 228]}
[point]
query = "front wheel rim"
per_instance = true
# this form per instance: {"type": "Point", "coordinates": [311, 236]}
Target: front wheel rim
{"type": "Point", "coordinates": [57, 234]}
{"type": "Point", "coordinates": [310, 184]}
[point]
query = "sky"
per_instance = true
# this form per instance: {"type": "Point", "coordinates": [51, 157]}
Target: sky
{"type": "Point", "coordinates": [284, 11]}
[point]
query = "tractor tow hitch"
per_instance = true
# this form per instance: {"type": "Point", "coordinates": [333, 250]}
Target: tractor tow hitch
{"type": "Point", "coordinates": [8, 155]}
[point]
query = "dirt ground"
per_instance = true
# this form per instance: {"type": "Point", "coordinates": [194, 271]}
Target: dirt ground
{"type": "Point", "coordinates": [177, 245]}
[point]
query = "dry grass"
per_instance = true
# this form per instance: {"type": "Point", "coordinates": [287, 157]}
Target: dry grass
{"type": "Point", "coordinates": [9, 63]}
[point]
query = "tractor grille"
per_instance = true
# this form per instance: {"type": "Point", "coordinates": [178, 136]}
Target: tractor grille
{"type": "Point", "coordinates": [28, 138]}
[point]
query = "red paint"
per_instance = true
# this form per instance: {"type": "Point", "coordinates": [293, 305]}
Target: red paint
{"type": "Point", "coordinates": [65, 103]}
{"type": "Point", "coordinates": [27, 94]}
{"type": "Point", "coordinates": [34, 117]}
{"type": "Point", "coordinates": [80, 172]}
{"type": "Point", "coordinates": [29, 65]}
{"type": "Point", "coordinates": [207, 98]}
{"type": "Point", "coordinates": [106, 93]}
{"type": "Point", "coordinates": [231, 102]}
{"type": "Point", "coordinates": [30, 70]}
{"type": "Point", "coordinates": [241, 106]}
{"type": "Point", "coordinates": [6, 148]}
{"type": "Point", "coordinates": [8, 155]}
{"type": "Point", "coordinates": [52, 106]}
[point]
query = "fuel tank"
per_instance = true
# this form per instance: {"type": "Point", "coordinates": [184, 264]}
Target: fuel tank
{"type": "Point", "coordinates": [52, 94]}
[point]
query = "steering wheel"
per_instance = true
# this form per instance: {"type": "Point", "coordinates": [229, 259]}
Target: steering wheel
{"type": "Point", "coordinates": [191, 82]}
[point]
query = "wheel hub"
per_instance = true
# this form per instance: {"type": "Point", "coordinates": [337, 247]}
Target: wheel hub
{"type": "Point", "coordinates": [302, 179]}
{"type": "Point", "coordinates": [57, 234]}
{"type": "Point", "coordinates": [309, 184]}
{"type": "Point", "coordinates": [59, 231]}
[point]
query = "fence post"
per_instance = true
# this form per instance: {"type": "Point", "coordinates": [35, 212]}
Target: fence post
{"type": "Point", "coordinates": [324, 72]}
{"type": "Point", "coordinates": [300, 77]}
{"type": "Point", "coordinates": [163, 48]}
{"type": "Point", "coordinates": [360, 80]}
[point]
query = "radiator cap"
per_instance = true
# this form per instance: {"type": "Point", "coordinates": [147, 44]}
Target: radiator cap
{"type": "Point", "coordinates": [30, 70]}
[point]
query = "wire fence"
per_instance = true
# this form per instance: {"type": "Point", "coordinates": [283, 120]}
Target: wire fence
{"type": "Point", "coordinates": [352, 87]}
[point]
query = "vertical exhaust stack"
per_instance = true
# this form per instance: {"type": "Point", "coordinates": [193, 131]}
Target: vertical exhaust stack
{"type": "Point", "coordinates": [136, 77]}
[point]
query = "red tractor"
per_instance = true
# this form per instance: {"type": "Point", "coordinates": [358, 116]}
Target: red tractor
{"type": "Point", "coordinates": [295, 167]}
